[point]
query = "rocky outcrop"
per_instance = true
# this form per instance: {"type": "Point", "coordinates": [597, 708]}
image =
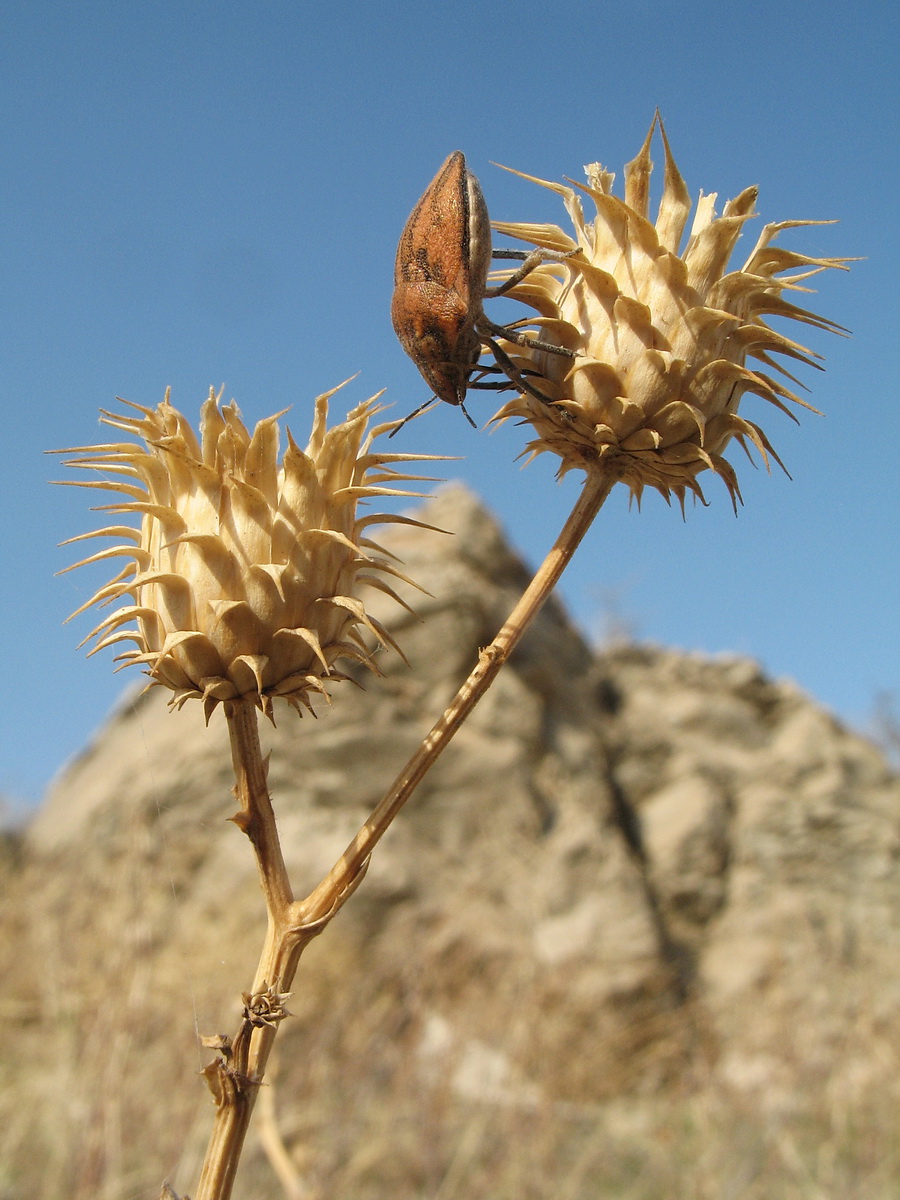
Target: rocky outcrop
{"type": "Point", "coordinates": [638, 881]}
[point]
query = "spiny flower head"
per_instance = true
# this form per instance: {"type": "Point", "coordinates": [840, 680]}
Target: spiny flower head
{"type": "Point", "coordinates": [242, 581]}
{"type": "Point", "coordinates": [662, 334]}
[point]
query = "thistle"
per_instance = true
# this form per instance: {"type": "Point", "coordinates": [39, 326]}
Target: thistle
{"type": "Point", "coordinates": [243, 575]}
{"type": "Point", "coordinates": [662, 334]}
{"type": "Point", "coordinates": [241, 584]}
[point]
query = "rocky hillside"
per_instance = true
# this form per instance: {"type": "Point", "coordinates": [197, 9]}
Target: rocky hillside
{"type": "Point", "coordinates": [637, 935]}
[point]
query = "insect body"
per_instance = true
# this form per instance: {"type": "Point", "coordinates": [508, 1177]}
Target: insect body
{"type": "Point", "coordinates": [440, 283]}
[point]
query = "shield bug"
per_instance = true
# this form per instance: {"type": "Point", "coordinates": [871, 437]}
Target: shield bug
{"type": "Point", "coordinates": [440, 284]}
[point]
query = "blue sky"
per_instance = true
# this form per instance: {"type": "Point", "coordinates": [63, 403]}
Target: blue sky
{"type": "Point", "coordinates": [208, 193]}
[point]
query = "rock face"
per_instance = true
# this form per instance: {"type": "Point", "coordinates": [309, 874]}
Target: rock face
{"type": "Point", "coordinates": [636, 934]}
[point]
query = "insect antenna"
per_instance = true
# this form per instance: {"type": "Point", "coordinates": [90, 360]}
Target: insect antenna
{"type": "Point", "coordinates": [409, 416]}
{"type": "Point", "coordinates": [423, 408]}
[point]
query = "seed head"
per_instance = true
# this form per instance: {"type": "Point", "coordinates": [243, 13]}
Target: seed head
{"type": "Point", "coordinates": [242, 581]}
{"type": "Point", "coordinates": [663, 334]}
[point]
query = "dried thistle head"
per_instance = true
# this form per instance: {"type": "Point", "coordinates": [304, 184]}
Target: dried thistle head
{"type": "Point", "coordinates": [663, 334]}
{"type": "Point", "coordinates": [243, 580]}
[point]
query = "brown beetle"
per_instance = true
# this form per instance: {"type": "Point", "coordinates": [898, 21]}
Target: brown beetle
{"type": "Point", "coordinates": [440, 283]}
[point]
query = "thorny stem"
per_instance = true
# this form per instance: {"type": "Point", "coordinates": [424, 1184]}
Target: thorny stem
{"type": "Point", "coordinates": [235, 1078]}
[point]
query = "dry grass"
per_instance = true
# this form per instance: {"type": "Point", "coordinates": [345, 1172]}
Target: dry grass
{"type": "Point", "coordinates": [97, 1097]}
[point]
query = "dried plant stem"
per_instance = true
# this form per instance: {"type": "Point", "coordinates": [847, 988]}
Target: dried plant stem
{"type": "Point", "coordinates": [236, 1076]}
{"type": "Point", "coordinates": [347, 870]}
{"type": "Point", "coordinates": [234, 1079]}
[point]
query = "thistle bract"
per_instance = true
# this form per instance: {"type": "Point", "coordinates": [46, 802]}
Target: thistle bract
{"type": "Point", "coordinates": [243, 580]}
{"type": "Point", "coordinates": [663, 334]}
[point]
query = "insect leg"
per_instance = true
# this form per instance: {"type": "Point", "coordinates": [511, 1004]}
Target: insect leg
{"type": "Point", "coordinates": [517, 376]}
{"type": "Point", "coordinates": [529, 262]}
{"type": "Point", "coordinates": [522, 339]}
{"type": "Point", "coordinates": [497, 385]}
